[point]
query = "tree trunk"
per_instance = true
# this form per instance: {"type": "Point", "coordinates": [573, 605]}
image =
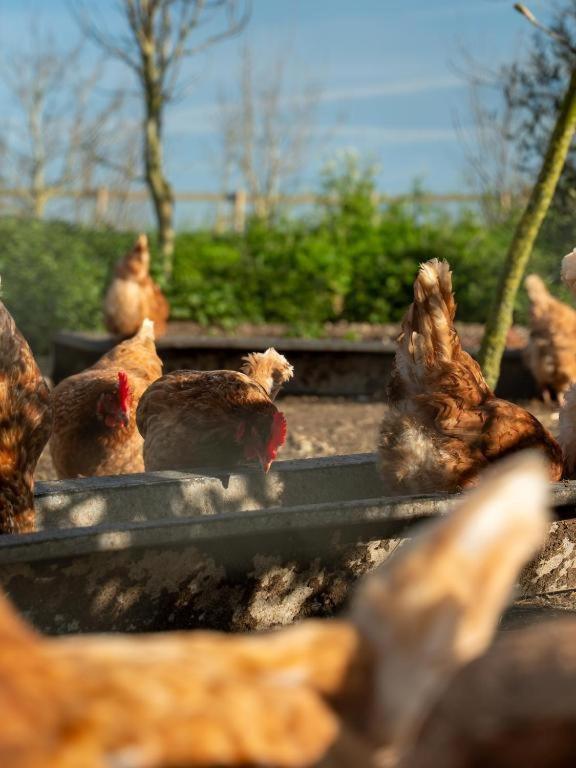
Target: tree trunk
{"type": "Point", "coordinates": [39, 200]}
{"type": "Point", "coordinates": [500, 317]}
{"type": "Point", "coordinates": [160, 189]}
{"type": "Point", "coordinates": [38, 193]}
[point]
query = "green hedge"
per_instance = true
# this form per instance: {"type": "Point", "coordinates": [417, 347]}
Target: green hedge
{"type": "Point", "coordinates": [53, 275]}
{"type": "Point", "coordinates": [348, 261]}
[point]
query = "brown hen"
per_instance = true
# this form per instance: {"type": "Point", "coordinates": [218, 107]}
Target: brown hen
{"type": "Point", "coordinates": [551, 350]}
{"type": "Point", "coordinates": [514, 706]}
{"type": "Point", "coordinates": [95, 429]}
{"type": "Point", "coordinates": [329, 693]}
{"type": "Point", "coordinates": [215, 418]}
{"type": "Point", "coordinates": [25, 426]}
{"type": "Point", "coordinates": [443, 424]}
{"type": "Point", "coordinates": [133, 296]}
{"type": "Point", "coordinates": [567, 431]}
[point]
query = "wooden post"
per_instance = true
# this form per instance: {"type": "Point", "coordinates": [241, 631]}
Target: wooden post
{"type": "Point", "coordinates": [240, 201]}
{"type": "Point", "coordinates": [102, 200]}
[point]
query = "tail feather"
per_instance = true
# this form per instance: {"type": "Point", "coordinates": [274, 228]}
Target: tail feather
{"type": "Point", "coordinates": [536, 290]}
{"type": "Point", "coordinates": [146, 330]}
{"type": "Point", "coordinates": [139, 249]}
{"type": "Point", "coordinates": [428, 332]}
{"type": "Point", "coordinates": [435, 605]}
{"type": "Point", "coordinates": [136, 352]}
{"type": "Point", "coordinates": [136, 260]}
{"type": "Point", "coordinates": [569, 270]}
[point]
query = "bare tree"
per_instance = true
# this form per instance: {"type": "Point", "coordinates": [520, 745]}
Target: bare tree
{"type": "Point", "coordinates": [55, 139]}
{"type": "Point", "coordinates": [157, 37]}
{"type": "Point", "coordinates": [265, 133]}
{"type": "Point", "coordinates": [490, 150]}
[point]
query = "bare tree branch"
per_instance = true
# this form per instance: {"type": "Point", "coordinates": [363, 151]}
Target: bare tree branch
{"type": "Point", "coordinates": [157, 41]}
{"type": "Point", "coordinates": [62, 129]}
{"type": "Point", "coordinates": [265, 133]}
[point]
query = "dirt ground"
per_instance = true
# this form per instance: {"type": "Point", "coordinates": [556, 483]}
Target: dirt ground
{"type": "Point", "coordinates": [328, 426]}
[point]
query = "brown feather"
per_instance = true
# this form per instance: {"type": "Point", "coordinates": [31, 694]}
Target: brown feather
{"type": "Point", "coordinates": [551, 350]}
{"type": "Point", "coordinates": [25, 426]}
{"type": "Point", "coordinates": [182, 699]}
{"type": "Point", "coordinates": [443, 424]}
{"type": "Point", "coordinates": [514, 706]}
{"type": "Point", "coordinates": [82, 445]}
{"type": "Point", "coordinates": [133, 296]}
{"type": "Point", "coordinates": [337, 694]}
{"type": "Point", "coordinates": [196, 418]}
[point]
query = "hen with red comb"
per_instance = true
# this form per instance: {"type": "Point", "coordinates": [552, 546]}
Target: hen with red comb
{"type": "Point", "coordinates": [124, 392]}
{"type": "Point", "coordinates": [95, 429]}
{"type": "Point", "coordinates": [215, 418]}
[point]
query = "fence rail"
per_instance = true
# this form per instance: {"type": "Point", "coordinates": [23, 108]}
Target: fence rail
{"type": "Point", "coordinates": [239, 200]}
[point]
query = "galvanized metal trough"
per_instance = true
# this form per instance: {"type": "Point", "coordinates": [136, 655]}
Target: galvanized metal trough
{"type": "Point", "coordinates": [325, 367]}
{"type": "Point", "coordinates": [211, 550]}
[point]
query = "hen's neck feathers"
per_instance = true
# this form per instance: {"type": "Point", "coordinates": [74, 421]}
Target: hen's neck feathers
{"type": "Point", "coordinates": [269, 369]}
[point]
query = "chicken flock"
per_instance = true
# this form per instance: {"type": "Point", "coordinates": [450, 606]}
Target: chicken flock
{"type": "Point", "coordinates": [442, 424]}
{"type": "Point", "coordinates": [387, 685]}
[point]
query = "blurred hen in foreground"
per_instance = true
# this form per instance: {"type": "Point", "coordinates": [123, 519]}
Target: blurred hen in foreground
{"type": "Point", "coordinates": [443, 424]}
{"type": "Point", "coordinates": [330, 693]}
{"type": "Point", "coordinates": [133, 296]}
{"type": "Point", "coordinates": [95, 411]}
{"type": "Point", "coordinates": [567, 432]}
{"type": "Point", "coordinates": [215, 418]}
{"type": "Point", "coordinates": [26, 423]}
{"type": "Point", "coordinates": [551, 350]}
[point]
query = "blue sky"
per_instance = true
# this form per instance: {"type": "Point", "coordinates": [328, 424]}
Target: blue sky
{"type": "Point", "coordinates": [383, 67]}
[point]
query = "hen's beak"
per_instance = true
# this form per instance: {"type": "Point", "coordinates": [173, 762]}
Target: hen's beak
{"type": "Point", "coordinates": [265, 465]}
{"type": "Point", "coordinates": [124, 419]}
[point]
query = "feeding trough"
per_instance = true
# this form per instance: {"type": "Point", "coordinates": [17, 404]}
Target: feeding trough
{"type": "Point", "coordinates": [326, 367]}
{"type": "Point", "coordinates": [239, 551]}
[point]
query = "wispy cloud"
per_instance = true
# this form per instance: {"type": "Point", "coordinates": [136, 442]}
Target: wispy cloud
{"type": "Point", "coordinates": [375, 90]}
{"type": "Point", "coordinates": [376, 133]}
{"type": "Point", "coordinates": [201, 118]}
{"type": "Point", "coordinates": [183, 128]}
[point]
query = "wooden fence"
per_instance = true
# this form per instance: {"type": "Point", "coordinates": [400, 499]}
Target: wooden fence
{"type": "Point", "coordinates": [238, 200]}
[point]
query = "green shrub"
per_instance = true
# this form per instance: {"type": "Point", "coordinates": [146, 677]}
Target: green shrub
{"type": "Point", "coordinates": [53, 275]}
{"type": "Point", "coordinates": [347, 260]}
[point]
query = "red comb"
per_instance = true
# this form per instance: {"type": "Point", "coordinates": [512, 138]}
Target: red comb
{"type": "Point", "coordinates": [124, 391]}
{"type": "Point", "coordinates": [278, 434]}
